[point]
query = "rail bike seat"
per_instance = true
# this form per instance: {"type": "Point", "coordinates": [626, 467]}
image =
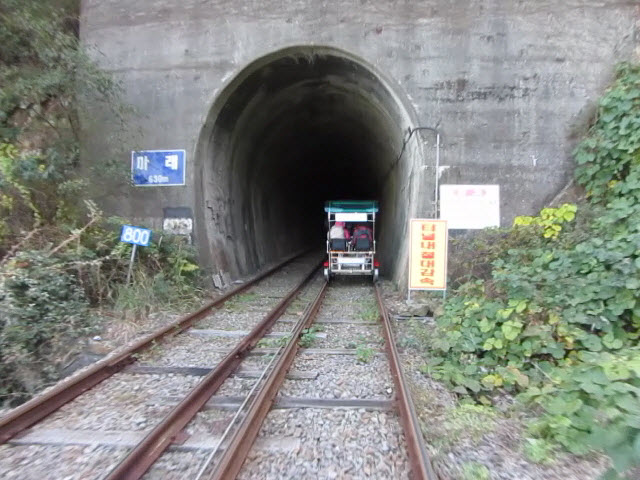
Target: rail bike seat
{"type": "Point", "coordinates": [338, 244]}
{"type": "Point", "coordinates": [362, 244]}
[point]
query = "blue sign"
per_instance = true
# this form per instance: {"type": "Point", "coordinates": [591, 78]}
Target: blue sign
{"type": "Point", "coordinates": [136, 235]}
{"type": "Point", "coordinates": [150, 168]}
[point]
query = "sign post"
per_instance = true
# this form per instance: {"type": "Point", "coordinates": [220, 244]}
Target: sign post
{"type": "Point", "coordinates": [133, 256]}
{"type": "Point", "coordinates": [427, 255]}
{"type": "Point", "coordinates": [136, 236]}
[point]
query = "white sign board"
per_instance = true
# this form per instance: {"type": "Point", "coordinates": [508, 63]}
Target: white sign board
{"type": "Point", "coordinates": [350, 260]}
{"type": "Point", "coordinates": [351, 217]}
{"type": "Point", "coordinates": [178, 226]}
{"type": "Point", "coordinates": [470, 206]}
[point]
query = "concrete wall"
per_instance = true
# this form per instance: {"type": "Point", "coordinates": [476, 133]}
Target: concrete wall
{"type": "Point", "coordinates": [509, 82]}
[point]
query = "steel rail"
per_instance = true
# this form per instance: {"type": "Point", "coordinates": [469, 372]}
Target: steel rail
{"type": "Point", "coordinates": [140, 459]}
{"type": "Point", "coordinates": [236, 451]}
{"type": "Point", "coordinates": [420, 464]}
{"type": "Point", "coordinates": [38, 408]}
{"type": "Point", "coordinates": [233, 421]}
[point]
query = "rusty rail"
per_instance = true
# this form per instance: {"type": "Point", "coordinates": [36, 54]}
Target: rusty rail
{"type": "Point", "coordinates": [238, 448]}
{"type": "Point", "coordinates": [138, 461]}
{"type": "Point", "coordinates": [421, 468]}
{"type": "Point", "coordinates": [38, 408]}
{"type": "Point", "coordinates": [235, 453]}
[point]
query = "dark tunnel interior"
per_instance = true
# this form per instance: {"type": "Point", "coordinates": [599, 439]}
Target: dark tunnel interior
{"type": "Point", "coordinates": [294, 132]}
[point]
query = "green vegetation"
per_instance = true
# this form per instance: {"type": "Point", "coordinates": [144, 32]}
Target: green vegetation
{"type": "Point", "coordinates": [369, 310]}
{"type": "Point", "coordinates": [308, 336]}
{"type": "Point", "coordinates": [276, 342]}
{"type": "Point", "coordinates": [59, 256]}
{"type": "Point", "coordinates": [45, 299]}
{"type": "Point", "coordinates": [240, 301]}
{"type": "Point", "coordinates": [468, 420]}
{"type": "Point", "coordinates": [550, 219]}
{"type": "Point", "coordinates": [364, 354]}
{"type": "Point", "coordinates": [48, 84]}
{"type": "Point", "coordinates": [475, 471]}
{"type": "Point", "coordinates": [539, 450]}
{"type": "Point", "coordinates": [550, 310]}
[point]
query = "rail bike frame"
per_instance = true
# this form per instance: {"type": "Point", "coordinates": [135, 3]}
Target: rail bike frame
{"type": "Point", "coordinates": [349, 260]}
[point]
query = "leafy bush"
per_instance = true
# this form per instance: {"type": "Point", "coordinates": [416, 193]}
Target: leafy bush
{"type": "Point", "coordinates": [48, 80]}
{"type": "Point", "coordinates": [593, 403]}
{"type": "Point", "coordinates": [54, 262]}
{"type": "Point", "coordinates": [611, 149]}
{"type": "Point", "coordinates": [476, 251]}
{"type": "Point", "coordinates": [555, 317]}
{"type": "Point", "coordinates": [45, 296]}
{"type": "Point", "coordinates": [550, 219]}
{"type": "Point", "coordinates": [43, 309]}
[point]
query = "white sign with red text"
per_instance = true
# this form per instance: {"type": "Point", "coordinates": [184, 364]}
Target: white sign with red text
{"type": "Point", "coordinates": [470, 206]}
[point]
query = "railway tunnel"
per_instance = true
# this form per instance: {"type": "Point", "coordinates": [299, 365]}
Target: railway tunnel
{"type": "Point", "coordinates": [291, 130]}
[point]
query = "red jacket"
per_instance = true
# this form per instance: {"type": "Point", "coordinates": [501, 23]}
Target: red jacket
{"type": "Point", "coordinates": [362, 231]}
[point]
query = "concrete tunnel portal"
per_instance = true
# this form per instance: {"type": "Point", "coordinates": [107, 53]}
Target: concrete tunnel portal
{"type": "Point", "coordinates": [291, 130]}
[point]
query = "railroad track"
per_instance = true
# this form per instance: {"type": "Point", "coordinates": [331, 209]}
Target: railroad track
{"type": "Point", "coordinates": [193, 406]}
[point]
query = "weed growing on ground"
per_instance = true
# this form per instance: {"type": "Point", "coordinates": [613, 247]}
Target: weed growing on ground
{"type": "Point", "coordinates": [239, 302]}
{"type": "Point", "coordinates": [364, 354]}
{"type": "Point", "coordinates": [307, 339]}
{"type": "Point", "coordinates": [369, 311]}
{"type": "Point", "coordinates": [308, 336]}
{"type": "Point", "coordinates": [539, 450]}
{"type": "Point", "coordinates": [273, 342]}
{"type": "Point", "coordinates": [417, 336]}
{"type": "Point", "coordinates": [475, 471]}
{"type": "Point", "coordinates": [468, 420]}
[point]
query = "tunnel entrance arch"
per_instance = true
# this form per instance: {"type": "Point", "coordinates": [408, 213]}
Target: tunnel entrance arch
{"type": "Point", "coordinates": [292, 129]}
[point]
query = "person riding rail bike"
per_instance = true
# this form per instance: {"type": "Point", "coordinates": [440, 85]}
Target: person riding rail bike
{"type": "Point", "coordinates": [338, 230]}
{"type": "Point", "coordinates": [362, 237]}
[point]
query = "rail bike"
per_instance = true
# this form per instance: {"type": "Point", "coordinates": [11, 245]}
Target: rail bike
{"type": "Point", "coordinates": [351, 238]}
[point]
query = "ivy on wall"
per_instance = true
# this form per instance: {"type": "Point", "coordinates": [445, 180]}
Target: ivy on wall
{"type": "Point", "coordinates": [557, 319]}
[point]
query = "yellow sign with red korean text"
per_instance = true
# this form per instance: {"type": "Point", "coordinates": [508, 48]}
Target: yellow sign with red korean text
{"type": "Point", "coordinates": [428, 254]}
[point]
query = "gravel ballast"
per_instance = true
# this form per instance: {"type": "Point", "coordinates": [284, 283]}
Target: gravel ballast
{"type": "Point", "coordinates": [341, 376]}
{"type": "Point", "coordinates": [340, 443]}
{"type": "Point", "coordinates": [122, 402]}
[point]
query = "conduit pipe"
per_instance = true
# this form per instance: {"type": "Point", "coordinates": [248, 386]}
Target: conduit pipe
{"type": "Point", "coordinates": [411, 131]}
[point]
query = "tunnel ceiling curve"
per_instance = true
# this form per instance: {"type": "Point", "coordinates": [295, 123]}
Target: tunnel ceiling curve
{"type": "Point", "coordinates": [294, 129]}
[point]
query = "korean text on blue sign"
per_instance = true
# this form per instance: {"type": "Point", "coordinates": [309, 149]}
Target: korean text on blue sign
{"type": "Point", "coordinates": [136, 235]}
{"type": "Point", "coordinates": [151, 168]}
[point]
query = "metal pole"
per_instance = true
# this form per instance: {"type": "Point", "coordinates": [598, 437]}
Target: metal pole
{"type": "Point", "coordinates": [437, 210]}
{"type": "Point", "coordinates": [437, 133]}
{"type": "Point", "coordinates": [133, 256]}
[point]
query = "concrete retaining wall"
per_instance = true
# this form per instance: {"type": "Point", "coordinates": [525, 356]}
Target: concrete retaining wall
{"type": "Point", "coordinates": [511, 85]}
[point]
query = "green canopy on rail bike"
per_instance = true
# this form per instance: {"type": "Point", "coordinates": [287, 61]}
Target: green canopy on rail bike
{"type": "Point", "coordinates": [347, 206]}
